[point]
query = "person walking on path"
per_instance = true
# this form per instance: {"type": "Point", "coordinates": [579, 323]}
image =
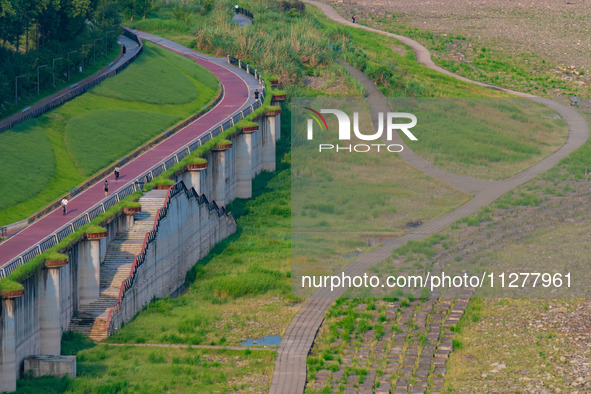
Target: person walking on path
{"type": "Point", "coordinates": [353, 17]}
{"type": "Point", "coordinates": [576, 101]}
{"type": "Point", "coordinates": [256, 95]}
{"type": "Point", "coordinates": [65, 205]}
{"type": "Point", "coordinates": [106, 184]}
{"type": "Point", "coordinates": [116, 172]}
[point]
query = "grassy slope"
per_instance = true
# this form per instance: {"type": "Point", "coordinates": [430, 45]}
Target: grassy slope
{"type": "Point", "coordinates": [90, 132]}
{"type": "Point", "coordinates": [479, 152]}
{"type": "Point", "coordinates": [524, 71]}
{"type": "Point", "coordinates": [487, 138]}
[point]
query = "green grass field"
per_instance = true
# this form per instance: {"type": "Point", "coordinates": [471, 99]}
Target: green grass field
{"type": "Point", "coordinates": [89, 133]}
{"type": "Point", "coordinates": [110, 369]}
{"type": "Point", "coordinates": [489, 138]}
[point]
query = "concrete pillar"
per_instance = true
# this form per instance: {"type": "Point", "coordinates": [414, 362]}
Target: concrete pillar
{"type": "Point", "coordinates": [8, 367]}
{"type": "Point", "coordinates": [192, 179]}
{"type": "Point", "coordinates": [244, 165]}
{"type": "Point", "coordinates": [277, 127]}
{"type": "Point", "coordinates": [129, 222]}
{"type": "Point", "coordinates": [276, 101]}
{"type": "Point", "coordinates": [231, 173]}
{"type": "Point", "coordinates": [89, 272]}
{"type": "Point", "coordinates": [268, 143]}
{"type": "Point", "coordinates": [130, 217]}
{"type": "Point", "coordinates": [102, 249]}
{"type": "Point", "coordinates": [257, 149]}
{"type": "Point", "coordinates": [218, 193]}
{"type": "Point", "coordinates": [50, 333]}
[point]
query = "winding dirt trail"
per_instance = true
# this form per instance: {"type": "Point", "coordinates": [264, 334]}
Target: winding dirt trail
{"type": "Point", "coordinates": [289, 375]}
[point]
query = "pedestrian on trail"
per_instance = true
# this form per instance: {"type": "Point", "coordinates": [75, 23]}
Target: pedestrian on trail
{"type": "Point", "coordinates": [106, 185]}
{"type": "Point", "coordinates": [576, 101]}
{"type": "Point", "coordinates": [116, 172]}
{"type": "Point", "coordinates": [65, 205]}
{"type": "Point", "coordinates": [256, 95]}
{"type": "Point", "coordinates": [236, 8]}
{"type": "Point", "coordinates": [353, 17]}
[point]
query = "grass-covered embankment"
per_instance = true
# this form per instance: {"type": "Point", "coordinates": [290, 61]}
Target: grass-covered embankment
{"type": "Point", "coordinates": [89, 133]}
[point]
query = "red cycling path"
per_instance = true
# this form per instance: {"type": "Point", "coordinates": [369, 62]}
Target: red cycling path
{"type": "Point", "coordinates": [237, 95]}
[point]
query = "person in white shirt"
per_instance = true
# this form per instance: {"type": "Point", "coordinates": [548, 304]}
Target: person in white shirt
{"type": "Point", "coordinates": [65, 205]}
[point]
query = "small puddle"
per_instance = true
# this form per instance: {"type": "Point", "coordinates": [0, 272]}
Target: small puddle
{"type": "Point", "coordinates": [242, 20]}
{"type": "Point", "coordinates": [271, 340]}
{"type": "Point", "coordinates": [352, 254]}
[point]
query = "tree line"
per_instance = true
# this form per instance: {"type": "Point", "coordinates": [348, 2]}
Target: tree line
{"type": "Point", "coordinates": [42, 42]}
{"type": "Point", "coordinates": [27, 25]}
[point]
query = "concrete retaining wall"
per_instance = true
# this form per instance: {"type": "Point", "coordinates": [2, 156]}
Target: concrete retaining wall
{"type": "Point", "coordinates": [191, 227]}
{"type": "Point", "coordinates": [32, 324]}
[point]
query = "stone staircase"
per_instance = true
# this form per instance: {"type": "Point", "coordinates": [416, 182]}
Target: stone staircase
{"type": "Point", "coordinates": [91, 318]}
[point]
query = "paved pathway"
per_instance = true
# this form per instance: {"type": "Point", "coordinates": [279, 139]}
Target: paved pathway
{"type": "Point", "coordinates": [289, 375]}
{"type": "Point", "coordinates": [131, 47]}
{"type": "Point", "coordinates": [237, 85]}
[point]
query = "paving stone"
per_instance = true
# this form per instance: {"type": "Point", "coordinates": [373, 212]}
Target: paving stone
{"type": "Point", "coordinates": [439, 369]}
{"type": "Point", "coordinates": [406, 371]}
{"type": "Point", "coordinates": [412, 352]}
{"type": "Point", "coordinates": [409, 363]}
{"type": "Point", "coordinates": [396, 350]}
